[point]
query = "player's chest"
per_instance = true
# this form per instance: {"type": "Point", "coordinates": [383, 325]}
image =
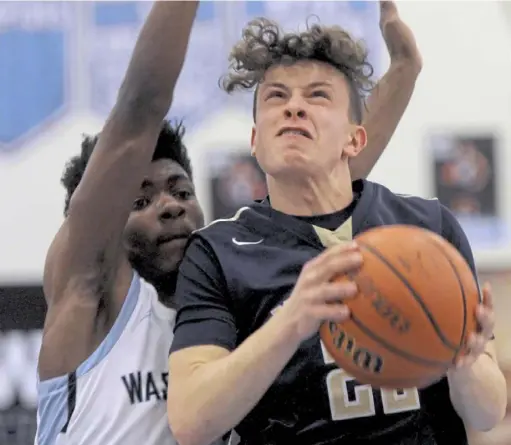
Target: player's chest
{"type": "Point", "coordinates": [260, 282]}
{"type": "Point", "coordinates": [136, 370]}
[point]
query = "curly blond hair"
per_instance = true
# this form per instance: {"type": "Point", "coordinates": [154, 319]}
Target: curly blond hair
{"type": "Point", "coordinates": [264, 44]}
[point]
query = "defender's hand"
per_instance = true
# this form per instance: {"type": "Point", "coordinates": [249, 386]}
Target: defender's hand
{"type": "Point", "coordinates": [477, 342]}
{"type": "Point", "coordinates": [316, 297]}
{"type": "Point", "coordinates": [398, 36]}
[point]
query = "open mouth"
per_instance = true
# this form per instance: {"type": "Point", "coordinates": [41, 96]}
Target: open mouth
{"type": "Point", "coordinates": [297, 131]}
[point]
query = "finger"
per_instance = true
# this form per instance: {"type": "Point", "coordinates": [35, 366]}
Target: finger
{"type": "Point", "coordinates": [467, 357]}
{"type": "Point", "coordinates": [334, 292]}
{"type": "Point", "coordinates": [338, 259]}
{"type": "Point", "coordinates": [332, 312]}
{"type": "Point", "coordinates": [487, 296]}
{"type": "Point", "coordinates": [338, 262]}
{"type": "Point", "coordinates": [486, 320]}
{"type": "Point", "coordinates": [476, 344]}
{"type": "Point", "coordinates": [330, 254]}
{"type": "Point", "coordinates": [338, 249]}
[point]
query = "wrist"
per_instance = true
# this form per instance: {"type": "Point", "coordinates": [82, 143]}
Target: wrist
{"type": "Point", "coordinates": [288, 328]}
{"type": "Point", "coordinates": [466, 374]}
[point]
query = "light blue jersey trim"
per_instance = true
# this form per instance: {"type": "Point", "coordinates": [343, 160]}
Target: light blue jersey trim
{"type": "Point", "coordinates": [117, 329]}
{"type": "Point", "coordinates": [53, 393]}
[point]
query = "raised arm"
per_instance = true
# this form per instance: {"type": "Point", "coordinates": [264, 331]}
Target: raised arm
{"type": "Point", "coordinates": [83, 263]}
{"type": "Point", "coordinates": [389, 99]}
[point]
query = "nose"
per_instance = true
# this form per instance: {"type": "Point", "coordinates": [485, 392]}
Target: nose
{"type": "Point", "coordinates": [169, 207]}
{"type": "Point", "coordinates": [295, 108]}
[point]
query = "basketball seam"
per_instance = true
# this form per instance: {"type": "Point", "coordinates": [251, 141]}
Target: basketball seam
{"type": "Point", "coordinates": [463, 297]}
{"type": "Point", "coordinates": [414, 294]}
{"type": "Point", "coordinates": [395, 350]}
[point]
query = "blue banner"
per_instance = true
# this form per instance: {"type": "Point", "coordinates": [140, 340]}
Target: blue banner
{"type": "Point", "coordinates": [33, 71]}
{"type": "Point", "coordinates": [57, 53]}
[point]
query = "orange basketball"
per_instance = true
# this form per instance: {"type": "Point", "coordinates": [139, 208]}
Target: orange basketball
{"type": "Point", "coordinates": [413, 314]}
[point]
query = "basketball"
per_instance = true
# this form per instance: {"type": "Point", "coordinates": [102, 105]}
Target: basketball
{"type": "Point", "coordinates": [413, 313]}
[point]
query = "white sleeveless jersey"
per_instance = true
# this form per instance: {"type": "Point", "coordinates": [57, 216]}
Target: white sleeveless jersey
{"type": "Point", "coordinates": [118, 395]}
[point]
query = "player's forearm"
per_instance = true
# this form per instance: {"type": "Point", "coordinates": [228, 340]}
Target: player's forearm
{"type": "Point", "coordinates": [158, 56]}
{"type": "Point", "coordinates": [103, 200]}
{"type": "Point", "coordinates": [385, 108]}
{"type": "Point", "coordinates": [479, 394]}
{"type": "Point", "coordinates": [218, 395]}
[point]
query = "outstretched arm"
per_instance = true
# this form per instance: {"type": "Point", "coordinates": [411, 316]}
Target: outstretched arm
{"type": "Point", "coordinates": [83, 263]}
{"type": "Point", "coordinates": [389, 99]}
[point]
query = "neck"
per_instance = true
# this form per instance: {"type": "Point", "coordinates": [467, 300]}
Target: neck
{"type": "Point", "coordinates": [311, 196]}
{"type": "Point", "coordinates": [166, 288]}
{"type": "Point", "coordinates": [164, 284]}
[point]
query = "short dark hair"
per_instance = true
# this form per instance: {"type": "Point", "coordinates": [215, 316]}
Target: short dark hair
{"type": "Point", "coordinates": [169, 146]}
{"type": "Point", "coordinates": [264, 44]}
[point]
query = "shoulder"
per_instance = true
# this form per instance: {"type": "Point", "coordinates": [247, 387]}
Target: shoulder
{"type": "Point", "coordinates": [427, 213]}
{"type": "Point", "coordinates": [245, 222]}
{"type": "Point", "coordinates": [385, 195]}
{"type": "Point", "coordinates": [223, 224]}
{"type": "Point", "coordinates": [409, 209]}
{"type": "Point", "coordinates": [453, 232]}
{"type": "Point", "coordinates": [204, 244]}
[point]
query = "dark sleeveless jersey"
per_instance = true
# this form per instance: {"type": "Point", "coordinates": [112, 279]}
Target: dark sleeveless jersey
{"type": "Point", "coordinates": [238, 271]}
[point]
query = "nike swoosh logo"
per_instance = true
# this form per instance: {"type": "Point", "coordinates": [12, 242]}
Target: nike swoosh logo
{"type": "Point", "coordinates": [246, 243]}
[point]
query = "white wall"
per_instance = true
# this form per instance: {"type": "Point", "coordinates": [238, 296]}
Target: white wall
{"type": "Point", "coordinates": [33, 199]}
{"type": "Point", "coordinates": [465, 85]}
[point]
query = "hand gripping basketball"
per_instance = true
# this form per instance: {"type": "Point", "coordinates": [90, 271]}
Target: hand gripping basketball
{"type": "Point", "coordinates": [477, 341]}
{"type": "Point", "coordinates": [316, 297]}
{"type": "Point", "coordinates": [415, 314]}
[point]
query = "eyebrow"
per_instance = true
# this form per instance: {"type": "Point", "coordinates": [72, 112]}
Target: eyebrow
{"type": "Point", "coordinates": [275, 85]}
{"type": "Point", "coordinates": [147, 183]}
{"type": "Point", "coordinates": [319, 84]}
{"type": "Point", "coordinates": [310, 85]}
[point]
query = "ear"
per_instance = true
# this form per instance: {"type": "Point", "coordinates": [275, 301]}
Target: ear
{"type": "Point", "coordinates": [357, 141]}
{"type": "Point", "coordinates": [252, 141]}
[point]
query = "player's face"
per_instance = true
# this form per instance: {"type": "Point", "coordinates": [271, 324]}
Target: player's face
{"type": "Point", "coordinates": [164, 215]}
{"type": "Point", "coordinates": [303, 123]}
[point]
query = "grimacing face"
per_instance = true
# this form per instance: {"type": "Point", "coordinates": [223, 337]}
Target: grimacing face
{"type": "Point", "coordinates": [303, 122]}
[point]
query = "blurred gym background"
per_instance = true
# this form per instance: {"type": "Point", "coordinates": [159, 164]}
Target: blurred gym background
{"type": "Point", "coordinates": [61, 64]}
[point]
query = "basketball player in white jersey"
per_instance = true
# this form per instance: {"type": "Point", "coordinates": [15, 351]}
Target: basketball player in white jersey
{"type": "Point", "coordinates": [110, 272]}
{"type": "Point", "coordinates": [103, 361]}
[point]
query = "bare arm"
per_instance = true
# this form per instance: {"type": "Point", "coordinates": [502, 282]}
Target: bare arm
{"type": "Point", "coordinates": [83, 262]}
{"type": "Point", "coordinates": [212, 390]}
{"type": "Point", "coordinates": [484, 382]}
{"type": "Point", "coordinates": [385, 108]}
{"type": "Point", "coordinates": [389, 100]}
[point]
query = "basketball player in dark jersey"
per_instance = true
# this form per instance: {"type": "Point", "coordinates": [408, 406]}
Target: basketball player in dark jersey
{"type": "Point", "coordinates": [129, 208]}
{"type": "Point", "coordinates": [253, 289]}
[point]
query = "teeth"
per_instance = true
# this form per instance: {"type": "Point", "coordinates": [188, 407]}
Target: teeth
{"type": "Point", "coordinates": [298, 132]}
